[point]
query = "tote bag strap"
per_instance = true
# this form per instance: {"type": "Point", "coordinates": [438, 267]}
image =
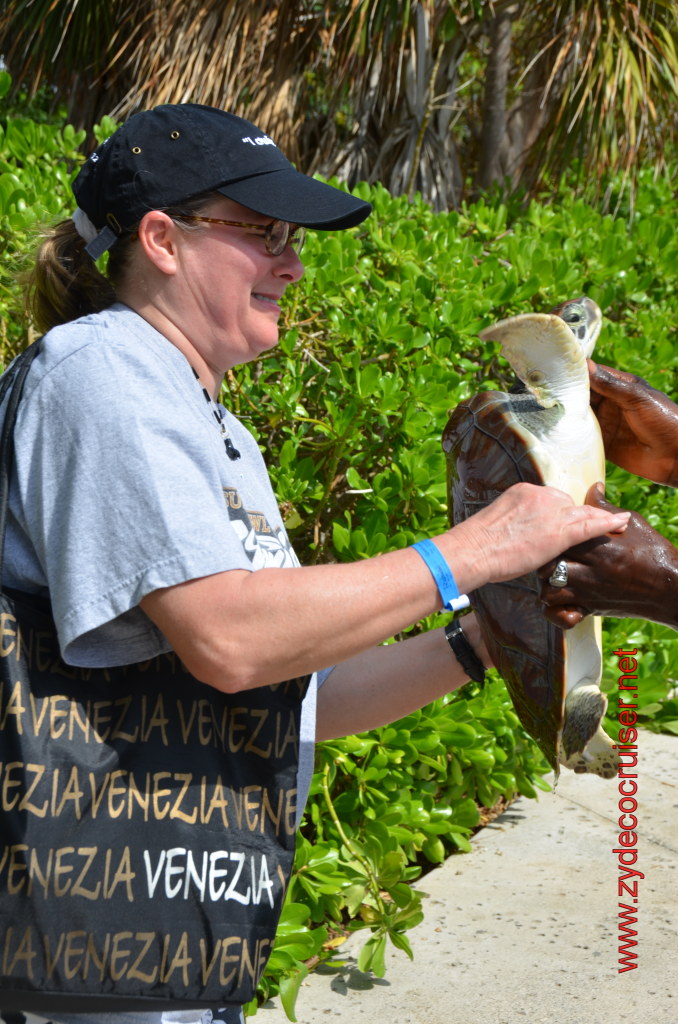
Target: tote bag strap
{"type": "Point", "coordinates": [12, 382]}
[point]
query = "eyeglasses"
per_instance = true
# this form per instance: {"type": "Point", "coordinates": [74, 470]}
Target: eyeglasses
{"type": "Point", "coordinates": [277, 235]}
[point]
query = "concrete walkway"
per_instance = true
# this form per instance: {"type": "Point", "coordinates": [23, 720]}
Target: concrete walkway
{"type": "Point", "coordinates": [525, 928]}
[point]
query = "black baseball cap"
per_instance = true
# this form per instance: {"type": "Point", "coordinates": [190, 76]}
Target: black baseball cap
{"type": "Point", "coordinates": [173, 152]}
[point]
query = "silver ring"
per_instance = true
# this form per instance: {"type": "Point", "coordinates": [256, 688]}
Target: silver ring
{"type": "Point", "coordinates": [558, 577]}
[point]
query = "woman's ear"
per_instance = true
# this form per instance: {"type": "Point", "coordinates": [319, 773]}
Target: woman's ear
{"type": "Point", "coordinates": [158, 237]}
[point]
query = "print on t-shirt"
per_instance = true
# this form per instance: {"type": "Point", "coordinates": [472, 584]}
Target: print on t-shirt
{"type": "Point", "coordinates": [265, 546]}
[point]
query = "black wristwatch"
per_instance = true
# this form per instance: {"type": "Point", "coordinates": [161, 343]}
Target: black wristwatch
{"type": "Point", "coordinates": [463, 652]}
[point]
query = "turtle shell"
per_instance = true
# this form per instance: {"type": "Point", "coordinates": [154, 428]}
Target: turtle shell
{"type": "Point", "coordinates": [485, 456]}
{"type": "Point", "coordinates": [488, 450]}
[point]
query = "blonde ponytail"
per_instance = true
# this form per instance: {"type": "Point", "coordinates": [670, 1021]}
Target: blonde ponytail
{"type": "Point", "coordinates": [65, 282]}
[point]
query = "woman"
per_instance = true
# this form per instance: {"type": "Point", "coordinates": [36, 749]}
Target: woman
{"type": "Point", "coordinates": [142, 507]}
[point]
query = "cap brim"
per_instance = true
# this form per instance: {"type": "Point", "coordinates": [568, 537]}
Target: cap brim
{"type": "Point", "coordinates": [286, 194]}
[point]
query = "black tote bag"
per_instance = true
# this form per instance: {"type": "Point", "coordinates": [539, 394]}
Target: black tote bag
{"type": "Point", "coordinates": [147, 821]}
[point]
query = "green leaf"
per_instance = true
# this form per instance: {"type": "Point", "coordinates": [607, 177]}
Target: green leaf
{"type": "Point", "coordinates": [372, 956]}
{"type": "Point", "coordinates": [289, 990]}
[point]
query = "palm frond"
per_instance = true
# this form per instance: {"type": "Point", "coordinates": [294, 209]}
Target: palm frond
{"type": "Point", "coordinates": [370, 89]}
{"type": "Point", "coordinates": [610, 75]}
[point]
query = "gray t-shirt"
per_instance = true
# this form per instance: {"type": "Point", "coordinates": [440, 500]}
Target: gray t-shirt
{"type": "Point", "coordinates": [124, 485]}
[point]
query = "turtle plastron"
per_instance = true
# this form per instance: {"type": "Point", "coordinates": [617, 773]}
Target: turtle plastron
{"type": "Point", "coordinates": [545, 433]}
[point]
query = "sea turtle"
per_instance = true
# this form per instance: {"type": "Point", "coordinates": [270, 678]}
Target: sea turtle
{"type": "Point", "coordinates": [544, 432]}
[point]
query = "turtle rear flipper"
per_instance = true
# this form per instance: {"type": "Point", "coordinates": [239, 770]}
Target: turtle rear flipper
{"type": "Point", "coordinates": [585, 747]}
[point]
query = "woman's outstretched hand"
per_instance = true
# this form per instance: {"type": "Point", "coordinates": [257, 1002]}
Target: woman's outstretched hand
{"type": "Point", "coordinates": [525, 527]}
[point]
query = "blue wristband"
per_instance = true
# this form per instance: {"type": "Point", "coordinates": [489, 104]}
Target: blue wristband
{"type": "Point", "coordinates": [442, 574]}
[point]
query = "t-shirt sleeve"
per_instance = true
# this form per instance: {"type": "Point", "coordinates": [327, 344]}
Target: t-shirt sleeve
{"type": "Point", "coordinates": [120, 494]}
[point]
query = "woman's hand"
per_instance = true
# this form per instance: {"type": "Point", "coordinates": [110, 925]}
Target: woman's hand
{"type": "Point", "coordinates": [630, 574]}
{"type": "Point", "coordinates": [639, 424]}
{"type": "Point", "coordinates": [512, 535]}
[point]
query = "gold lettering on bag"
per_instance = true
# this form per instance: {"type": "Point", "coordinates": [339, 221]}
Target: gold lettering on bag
{"type": "Point", "coordinates": [74, 952]}
{"type": "Point", "coordinates": [119, 794]}
{"type": "Point", "coordinates": [229, 958]}
{"type": "Point", "coordinates": [99, 959]}
{"type": "Point", "coordinates": [257, 731]}
{"type": "Point", "coordinates": [8, 784]}
{"type": "Point", "coordinates": [117, 790]}
{"type": "Point", "coordinates": [261, 716]}
{"type": "Point", "coordinates": [234, 727]}
{"type": "Point", "coordinates": [35, 773]}
{"type": "Point", "coordinates": [176, 812]}
{"type": "Point", "coordinates": [21, 956]}
{"type": "Point", "coordinates": [89, 853]}
{"type": "Point", "coordinates": [140, 797]}
{"type": "Point", "coordinates": [13, 707]}
{"type": "Point", "coordinates": [147, 977]}
{"type": "Point", "coordinates": [61, 717]}
{"type": "Point", "coordinates": [51, 961]}
{"type": "Point", "coordinates": [8, 634]}
{"type": "Point", "coordinates": [41, 876]}
{"type": "Point", "coordinates": [114, 955]}
{"type": "Point", "coordinates": [160, 811]}
{"type": "Point", "coordinates": [118, 733]}
{"type": "Point", "coordinates": [180, 961]}
{"type": "Point", "coordinates": [71, 792]}
{"type": "Point", "coordinates": [84, 871]}
{"type": "Point", "coordinates": [290, 738]}
{"type": "Point", "coordinates": [97, 797]}
{"type": "Point", "coordinates": [123, 875]}
{"type": "Point", "coordinates": [57, 725]}
{"type": "Point", "coordinates": [37, 720]}
{"type": "Point", "coordinates": [233, 956]}
{"type": "Point", "coordinates": [254, 965]}
{"type": "Point", "coordinates": [16, 869]}
{"type": "Point", "coordinates": [218, 803]}
{"type": "Point", "coordinates": [77, 717]}
{"type": "Point", "coordinates": [186, 726]}
{"type": "Point", "coordinates": [117, 970]}
{"type": "Point", "coordinates": [60, 867]}
{"type": "Point", "coordinates": [147, 957]}
{"type": "Point", "coordinates": [157, 720]}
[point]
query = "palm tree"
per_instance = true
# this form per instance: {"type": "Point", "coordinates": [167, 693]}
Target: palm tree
{"type": "Point", "coordinates": [436, 96]}
{"type": "Point", "coordinates": [598, 83]}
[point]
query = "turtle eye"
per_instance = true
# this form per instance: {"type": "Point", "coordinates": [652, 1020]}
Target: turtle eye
{"type": "Point", "coordinates": [575, 318]}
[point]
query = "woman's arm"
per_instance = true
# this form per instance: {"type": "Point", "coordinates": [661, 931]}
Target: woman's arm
{"type": "Point", "coordinates": [237, 630]}
{"type": "Point", "coordinates": [386, 683]}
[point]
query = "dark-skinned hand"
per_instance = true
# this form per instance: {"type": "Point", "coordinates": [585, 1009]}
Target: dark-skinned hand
{"type": "Point", "coordinates": [633, 574]}
{"type": "Point", "coordinates": [639, 424]}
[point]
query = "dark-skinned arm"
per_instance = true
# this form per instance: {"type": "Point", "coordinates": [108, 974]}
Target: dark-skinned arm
{"type": "Point", "coordinates": [639, 424]}
{"type": "Point", "coordinates": [633, 574]}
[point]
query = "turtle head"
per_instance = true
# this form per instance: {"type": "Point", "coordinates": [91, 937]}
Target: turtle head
{"type": "Point", "coordinates": [544, 354]}
{"type": "Point", "coordinates": [548, 351]}
{"type": "Point", "coordinates": [584, 319]}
